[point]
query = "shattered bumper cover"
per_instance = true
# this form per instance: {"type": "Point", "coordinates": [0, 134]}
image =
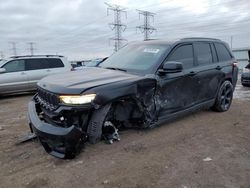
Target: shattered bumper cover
{"type": "Point", "coordinates": [60, 142]}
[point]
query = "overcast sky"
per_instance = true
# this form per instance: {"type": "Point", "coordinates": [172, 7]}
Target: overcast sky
{"type": "Point", "coordinates": [79, 29]}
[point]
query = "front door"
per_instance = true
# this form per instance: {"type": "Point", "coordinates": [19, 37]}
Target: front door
{"type": "Point", "coordinates": [177, 91]}
{"type": "Point", "coordinates": [15, 77]}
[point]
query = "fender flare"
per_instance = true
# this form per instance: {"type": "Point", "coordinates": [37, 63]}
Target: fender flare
{"type": "Point", "coordinates": [94, 130]}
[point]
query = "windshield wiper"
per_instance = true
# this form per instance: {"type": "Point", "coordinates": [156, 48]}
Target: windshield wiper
{"type": "Point", "coordinates": [113, 68]}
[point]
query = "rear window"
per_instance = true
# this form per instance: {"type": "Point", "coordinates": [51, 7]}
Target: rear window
{"type": "Point", "coordinates": [204, 54]}
{"type": "Point", "coordinates": [222, 52]}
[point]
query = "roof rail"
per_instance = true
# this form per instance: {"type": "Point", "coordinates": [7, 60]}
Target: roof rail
{"type": "Point", "coordinates": [36, 56]}
{"type": "Point", "coordinates": [202, 38]}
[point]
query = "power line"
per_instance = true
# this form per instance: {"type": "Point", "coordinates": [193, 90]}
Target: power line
{"type": "Point", "coordinates": [146, 28]}
{"type": "Point", "coordinates": [31, 47]}
{"type": "Point", "coordinates": [14, 49]}
{"type": "Point", "coordinates": [117, 25]}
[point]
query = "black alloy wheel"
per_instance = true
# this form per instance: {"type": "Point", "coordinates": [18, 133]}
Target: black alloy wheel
{"type": "Point", "coordinates": [224, 97]}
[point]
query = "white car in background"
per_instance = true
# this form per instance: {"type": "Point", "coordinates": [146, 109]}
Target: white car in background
{"type": "Point", "coordinates": [21, 73]}
{"type": "Point", "coordinates": [91, 63]}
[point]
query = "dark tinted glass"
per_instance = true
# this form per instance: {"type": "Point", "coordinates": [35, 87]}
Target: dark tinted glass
{"type": "Point", "coordinates": [248, 66]}
{"type": "Point", "coordinates": [55, 63]}
{"type": "Point", "coordinates": [15, 66]}
{"type": "Point", "coordinates": [183, 54]}
{"type": "Point", "coordinates": [222, 52]}
{"type": "Point", "coordinates": [204, 54]}
{"type": "Point", "coordinates": [36, 64]}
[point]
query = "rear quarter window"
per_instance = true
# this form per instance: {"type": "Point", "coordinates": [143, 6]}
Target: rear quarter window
{"type": "Point", "coordinates": [222, 52]}
{"type": "Point", "coordinates": [55, 63]}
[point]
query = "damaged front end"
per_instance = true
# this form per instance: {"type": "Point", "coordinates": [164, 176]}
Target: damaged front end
{"type": "Point", "coordinates": [63, 129]}
{"type": "Point", "coordinates": [60, 129]}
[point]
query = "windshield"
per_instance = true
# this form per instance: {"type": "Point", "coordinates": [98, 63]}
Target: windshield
{"type": "Point", "coordinates": [2, 61]}
{"type": "Point", "coordinates": [92, 63]}
{"type": "Point", "coordinates": [135, 57]}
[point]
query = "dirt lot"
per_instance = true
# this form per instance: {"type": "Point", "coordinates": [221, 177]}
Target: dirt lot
{"type": "Point", "coordinates": [169, 156]}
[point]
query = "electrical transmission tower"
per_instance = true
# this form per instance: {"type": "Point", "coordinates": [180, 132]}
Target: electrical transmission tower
{"type": "Point", "coordinates": [14, 48]}
{"type": "Point", "coordinates": [31, 47]}
{"type": "Point", "coordinates": [1, 55]}
{"type": "Point", "coordinates": [146, 28]}
{"type": "Point", "coordinates": [117, 25]}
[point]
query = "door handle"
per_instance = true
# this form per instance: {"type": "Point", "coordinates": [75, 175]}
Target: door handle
{"type": "Point", "coordinates": [192, 73]}
{"type": "Point", "coordinates": [22, 73]}
{"type": "Point", "coordinates": [48, 70]}
{"type": "Point", "coordinates": [218, 67]}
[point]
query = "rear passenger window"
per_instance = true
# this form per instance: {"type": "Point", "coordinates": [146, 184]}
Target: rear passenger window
{"type": "Point", "coordinates": [183, 54]}
{"type": "Point", "coordinates": [55, 63]}
{"type": "Point", "coordinates": [204, 54]}
{"type": "Point", "coordinates": [222, 52]}
{"type": "Point", "coordinates": [36, 64]}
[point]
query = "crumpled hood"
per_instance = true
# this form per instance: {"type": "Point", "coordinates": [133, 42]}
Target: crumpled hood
{"type": "Point", "coordinates": [76, 82]}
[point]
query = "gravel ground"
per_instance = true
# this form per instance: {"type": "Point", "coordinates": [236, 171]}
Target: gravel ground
{"type": "Point", "coordinates": [205, 149]}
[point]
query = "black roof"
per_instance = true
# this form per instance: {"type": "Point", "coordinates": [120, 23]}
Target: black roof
{"type": "Point", "coordinates": [167, 42]}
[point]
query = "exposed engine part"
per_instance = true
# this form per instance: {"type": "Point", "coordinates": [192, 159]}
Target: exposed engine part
{"type": "Point", "coordinates": [110, 132]}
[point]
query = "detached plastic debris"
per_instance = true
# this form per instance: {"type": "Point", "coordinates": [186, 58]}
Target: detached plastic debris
{"type": "Point", "coordinates": [110, 133]}
{"type": "Point", "coordinates": [26, 138]}
{"type": "Point", "coordinates": [207, 159]}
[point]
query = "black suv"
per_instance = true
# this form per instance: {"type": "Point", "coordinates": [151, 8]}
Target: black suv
{"type": "Point", "coordinates": [141, 86]}
{"type": "Point", "coordinates": [245, 76]}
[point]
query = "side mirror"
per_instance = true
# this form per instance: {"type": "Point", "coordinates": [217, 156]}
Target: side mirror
{"type": "Point", "coordinates": [2, 70]}
{"type": "Point", "coordinates": [171, 67]}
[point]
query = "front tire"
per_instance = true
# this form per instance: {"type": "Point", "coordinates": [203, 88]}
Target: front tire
{"type": "Point", "coordinates": [224, 97]}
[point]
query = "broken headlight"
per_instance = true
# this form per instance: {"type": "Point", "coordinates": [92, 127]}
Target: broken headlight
{"type": "Point", "coordinates": [77, 99]}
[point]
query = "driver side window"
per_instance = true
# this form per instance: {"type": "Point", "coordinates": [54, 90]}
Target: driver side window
{"type": "Point", "coordinates": [15, 66]}
{"type": "Point", "coordinates": [183, 54]}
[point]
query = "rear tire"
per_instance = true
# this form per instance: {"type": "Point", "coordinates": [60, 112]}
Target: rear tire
{"type": "Point", "coordinates": [224, 97]}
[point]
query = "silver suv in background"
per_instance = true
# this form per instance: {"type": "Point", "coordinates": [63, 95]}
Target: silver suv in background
{"type": "Point", "coordinates": [21, 73]}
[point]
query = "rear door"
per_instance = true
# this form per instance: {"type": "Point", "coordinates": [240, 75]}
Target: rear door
{"type": "Point", "coordinates": [37, 68]}
{"type": "Point", "coordinates": [15, 78]}
{"type": "Point", "coordinates": [225, 62]}
{"type": "Point", "coordinates": [208, 71]}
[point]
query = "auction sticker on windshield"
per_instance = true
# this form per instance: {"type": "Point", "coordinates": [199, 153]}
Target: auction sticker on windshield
{"type": "Point", "coordinates": [151, 50]}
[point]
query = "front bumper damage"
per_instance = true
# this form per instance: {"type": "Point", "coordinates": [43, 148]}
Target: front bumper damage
{"type": "Point", "coordinates": [61, 142]}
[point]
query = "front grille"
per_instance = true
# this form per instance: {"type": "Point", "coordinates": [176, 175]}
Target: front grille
{"type": "Point", "coordinates": [47, 99]}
